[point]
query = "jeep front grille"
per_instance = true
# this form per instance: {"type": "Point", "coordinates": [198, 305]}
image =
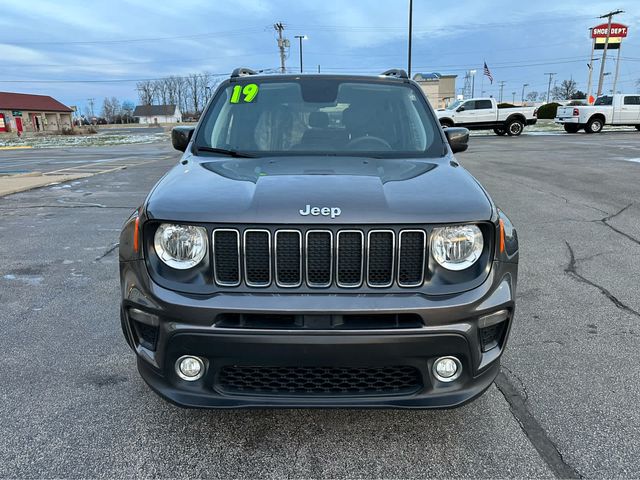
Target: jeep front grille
{"type": "Point", "coordinates": [319, 258]}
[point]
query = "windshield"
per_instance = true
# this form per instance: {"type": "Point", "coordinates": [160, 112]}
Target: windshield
{"type": "Point", "coordinates": [454, 105]}
{"type": "Point", "coordinates": [605, 100]}
{"type": "Point", "coordinates": [319, 116]}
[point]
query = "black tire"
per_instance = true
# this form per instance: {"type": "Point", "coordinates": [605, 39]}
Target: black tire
{"type": "Point", "coordinates": [515, 127]}
{"type": "Point", "coordinates": [638, 127]}
{"type": "Point", "coordinates": [446, 123]}
{"type": "Point", "coordinates": [594, 125]}
{"type": "Point", "coordinates": [499, 131]}
{"type": "Point", "coordinates": [571, 127]}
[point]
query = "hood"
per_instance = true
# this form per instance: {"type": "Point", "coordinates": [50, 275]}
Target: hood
{"type": "Point", "coordinates": [340, 190]}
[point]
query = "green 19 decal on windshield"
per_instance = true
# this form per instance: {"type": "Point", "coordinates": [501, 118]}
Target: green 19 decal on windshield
{"type": "Point", "coordinates": [248, 93]}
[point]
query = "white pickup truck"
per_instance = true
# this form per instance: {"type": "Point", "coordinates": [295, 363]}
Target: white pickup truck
{"type": "Point", "coordinates": [484, 114]}
{"type": "Point", "coordinates": [619, 109]}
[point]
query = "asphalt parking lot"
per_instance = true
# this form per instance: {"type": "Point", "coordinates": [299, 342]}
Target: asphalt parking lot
{"type": "Point", "coordinates": [565, 405]}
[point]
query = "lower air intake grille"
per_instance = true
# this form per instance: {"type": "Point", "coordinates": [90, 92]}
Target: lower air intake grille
{"type": "Point", "coordinates": [304, 381]}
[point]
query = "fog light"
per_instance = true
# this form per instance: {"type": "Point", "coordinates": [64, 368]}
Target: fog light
{"type": "Point", "coordinates": [189, 368]}
{"type": "Point", "coordinates": [447, 369]}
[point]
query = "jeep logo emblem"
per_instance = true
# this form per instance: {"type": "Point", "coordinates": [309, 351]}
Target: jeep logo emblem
{"type": "Point", "coordinates": [332, 212]}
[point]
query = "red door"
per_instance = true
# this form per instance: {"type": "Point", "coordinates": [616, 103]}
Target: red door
{"type": "Point", "coordinates": [19, 125]}
{"type": "Point", "coordinates": [3, 126]}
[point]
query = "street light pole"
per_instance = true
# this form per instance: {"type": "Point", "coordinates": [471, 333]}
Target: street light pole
{"type": "Point", "coordinates": [301, 37]}
{"type": "Point", "coordinates": [523, 87]}
{"type": "Point", "coordinates": [410, 34]}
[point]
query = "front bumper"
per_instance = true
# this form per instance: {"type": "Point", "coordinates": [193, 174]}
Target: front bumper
{"type": "Point", "coordinates": [187, 325]}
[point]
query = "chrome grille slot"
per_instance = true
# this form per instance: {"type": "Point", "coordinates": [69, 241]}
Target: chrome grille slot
{"type": "Point", "coordinates": [319, 258]}
{"type": "Point", "coordinates": [226, 257]}
{"type": "Point", "coordinates": [288, 245]}
{"type": "Point", "coordinates": [411, 257]}
{"type": "Point", "coordinates": [380, 258]}
{"type": "Point", "coordinates": [349, 264]}
{"type": "Point", "coordinates": [257, 257]}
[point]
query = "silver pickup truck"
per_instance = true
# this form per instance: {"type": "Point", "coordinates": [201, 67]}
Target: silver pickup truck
{"type": "Point", "coordinates": [484, 114]}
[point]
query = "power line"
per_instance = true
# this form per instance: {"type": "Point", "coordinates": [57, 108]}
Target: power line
{"type": "Point", "coordinates": [242, 31]}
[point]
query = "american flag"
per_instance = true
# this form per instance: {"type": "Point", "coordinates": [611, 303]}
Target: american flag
{"type": "Point", "coordinates": [487, 72]}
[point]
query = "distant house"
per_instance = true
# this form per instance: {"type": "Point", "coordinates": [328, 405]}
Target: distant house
{"type": "Point", "coordinates": [157, 114]}
{"type": "Point", "coordinates": [23, 112]}
{"type": "Point", "coordinates": [439, 89]}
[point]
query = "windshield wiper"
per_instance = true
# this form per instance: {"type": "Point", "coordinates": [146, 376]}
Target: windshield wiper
{"type": "Point", "coordinates": [224, 151]}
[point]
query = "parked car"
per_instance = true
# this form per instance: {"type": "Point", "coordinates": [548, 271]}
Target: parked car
{"type": "Point", "coordinates": [619, 109]}
{"type": "Point", "coordinates": [291, 261]}
{"type": "Point", "coordinates": [484, 114]}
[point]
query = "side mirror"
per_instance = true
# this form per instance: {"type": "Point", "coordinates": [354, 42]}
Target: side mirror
{"type": "Point", "coordinates": [460, 108]}
{"type": "Point", "coordinates": [181, 136]}
{"type": "Point", "coordinates": [458, 138]}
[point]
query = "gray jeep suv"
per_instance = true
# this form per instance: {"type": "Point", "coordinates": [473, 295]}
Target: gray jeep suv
{"type": "Point", "coordinates": [318, 245]}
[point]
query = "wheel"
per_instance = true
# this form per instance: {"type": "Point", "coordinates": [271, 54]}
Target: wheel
{"type": "Point", "coordinates": [571, 127]}
{"type": "Point", "coordinates": [594, 126]}
{"type": "Point", "coordinates": [515, 128]}
{"type": "Point", "coordinates": [499, 131]}
{"type": "Point", "coordinates": [638, 127]}
{"type": "Point", "coordinates": [446, 123]}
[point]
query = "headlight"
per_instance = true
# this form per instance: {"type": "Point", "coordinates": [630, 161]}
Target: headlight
{"type": "Point", "coordinates": [458, 247]}
{"type": "Point", "coordinates": [180, 246]}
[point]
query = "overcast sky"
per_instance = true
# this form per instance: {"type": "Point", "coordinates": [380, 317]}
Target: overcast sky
{"type": "Point", "coordinates": [105, 46]}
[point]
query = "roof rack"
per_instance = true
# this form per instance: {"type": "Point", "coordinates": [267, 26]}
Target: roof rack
{"type": "Point", "coordinates": [243, 72]}
{"type": "Point", "coordinates": [395, 72]}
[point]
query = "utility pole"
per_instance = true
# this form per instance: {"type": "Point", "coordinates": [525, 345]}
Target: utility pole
{"type": "Point", "coordinates": [410, 33]}
{"type": "Point", "coordinates": [282, 44]}
{"type": "Point", "coordinates": [91, 101]}
{"type": "Point", "coordinates": [513, 98]}
{"type": "Point", "coordinates": [473, 83]}
{"type": "Point", "coordinates": [590, 65]}
{"type": "Point", "coordinates": [549, 87]}
{"type": "Point", "coordinates": [523, 87]}
{"type": "Point", "coordinates": [502, 82]}
{"type": "Point", "coordinates": [301, 37]}
{"type": "Point", "coordinates": [606, 46]}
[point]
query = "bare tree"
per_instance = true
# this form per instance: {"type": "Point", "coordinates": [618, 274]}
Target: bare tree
{"type": "Point", "coordinates": [163, 87]}
{"type": "Point", "coordinates": [565, 91]}
{"type": "Point", "coordinates": [107, 109]}
{"type": "Point", "coordinates": [146, 92]}
{"type": "Point", "coordinates": [194, 90]}
{"type": "Point", "coordinates": [531, 96]}
{"type": "Point", "coordinates": [127, 111]}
